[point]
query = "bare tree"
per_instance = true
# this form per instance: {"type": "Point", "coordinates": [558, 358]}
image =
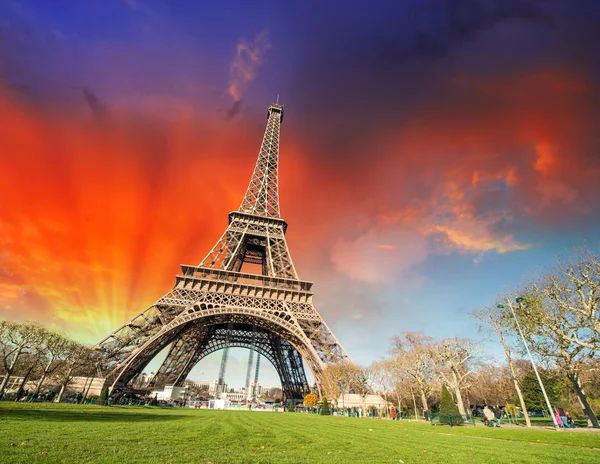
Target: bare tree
{"type": "Point", "coordinates": [77, 359]}
{"type": "Point", "coordinates": [274, 394]}
{"type": "Point", "coordinates": [379, 379]}
{"type": "Point", "coordinates": [15, 341]}
{"type": "Point", "coordinates": [454, 363]}
{"type": "Point", "coordinates": [490, 384]}
{"type": "Point", "coordinates": [573, 288]}
{"type": "Point", "coordinates": [497, 320]}
{"type": "Point", "coordinates": [411, 352]}
{"type": "Point", "coordinates": [348, 376]}
{"type": "Point", "coordinates": [398, 379]}
{"type": "Point", "coordinates": [55, 348]}
{"type": "Point", "coordinates": [552, 330]}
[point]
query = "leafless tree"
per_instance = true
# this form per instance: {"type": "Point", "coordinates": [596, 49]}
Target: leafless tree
{"type": "Point", "coordinates": [274, 394]}
{"type": "Point", "coordinates": [54, 350]}
{"type": "Point", "coordinates": [16, 340]}
{"type": "Point", "coordinates": [573, 289]}
{"type": "Point", "coordinates": [490, 384]}
{"type": "Point", "coordinates": [78, 359]}
{"type": "Point", "coordinates": [551, 329]}
{"type": "Point", "coordinates": [454, 363]}
{"type": "Point", "coordinates": [412, 354]}
{"type": "Point", "coordinates": [497, 320]}
{"type": "Point", "coordinates": [379, 379]}
{"type": "Point", "coordinates": [348, 376]}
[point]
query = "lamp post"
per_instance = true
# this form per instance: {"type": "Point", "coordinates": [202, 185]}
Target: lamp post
{"type": "Point", "coordinates": [519, 300]}
{"type": "Point", "coordinates": [341, 384]}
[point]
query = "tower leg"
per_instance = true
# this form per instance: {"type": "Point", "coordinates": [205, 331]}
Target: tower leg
{"type": "Point", "coordinates": [254, 390]}
{"type": "Point", "coordinates": [224, 358]}
{"type": "Point", "coordinates": [249, 395]}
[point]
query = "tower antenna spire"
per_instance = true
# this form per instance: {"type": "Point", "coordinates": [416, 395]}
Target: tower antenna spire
{"type": "Point", "coordinates": [277, 102]}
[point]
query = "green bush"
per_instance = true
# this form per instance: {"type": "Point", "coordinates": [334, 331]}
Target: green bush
{"type": "Point", "coordinates": [103, 394]}
{"type": "Point", "coordinates": [449, 414]}
{"type": "Point", "coordinates": [325, 411]}
{"type": "Point", "coordinates": [292, 407]}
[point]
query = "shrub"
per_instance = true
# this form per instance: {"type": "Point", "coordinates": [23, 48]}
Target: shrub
{"type": "Point", "coordinates": [103, 394]}
{"type": "Point", "coordinates": [291, 407]}
{"type": "Point", "coordinates": [311, 400]}
{"type": "Point", "coordinates": [512, 410]}
{"type": "Point", "coordinates": [448, 410]}
{"type": "Point", "coordinates": [325, 411]}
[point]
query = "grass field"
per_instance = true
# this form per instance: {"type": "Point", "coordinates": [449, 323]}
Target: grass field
{"type": "Point", "coordinates": [31, 433]}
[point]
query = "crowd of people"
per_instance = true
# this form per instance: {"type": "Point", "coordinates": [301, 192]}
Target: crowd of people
{"type": "Point", "coordinates": [492, 416]}
{"type": "Point", "coordinates": [563, 418]}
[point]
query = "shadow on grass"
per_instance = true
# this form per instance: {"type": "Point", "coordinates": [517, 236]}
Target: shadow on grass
{"type": "Point", "coordinates": [50, 415]}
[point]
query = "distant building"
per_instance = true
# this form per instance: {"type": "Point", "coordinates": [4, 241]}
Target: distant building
{"type": "Point", "coordinates": [220, 390]}
{"type": "Point", "coordinates": [351, 400]}
{"type": "Point", "coordinates": [234, 396]}
{"type": "Point", "coordinates": [209, 387]}
{"type": "Point", "coordinates": [173, 393]}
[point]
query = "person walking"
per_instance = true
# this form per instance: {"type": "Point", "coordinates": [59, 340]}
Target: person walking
{"type": "Point", "coordinates": [563, 416]}
{"type": "Point", "coordinates": [559, 421]}
{"type": "Point", "coordinates": [488, 415]}
{"type": "Point", "coordinates": [497, 416]}
{"type": "Point", "coordinates": [393, 414]}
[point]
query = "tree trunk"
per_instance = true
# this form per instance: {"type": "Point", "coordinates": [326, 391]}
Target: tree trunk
{"type": "Point", "coordinates": [423, 399]}
{"type": "Point", "coordinates": [9, 372]}
{"type": "Point", "coordinates": [64, 385]}
{"type": "Point", "coordinates": [23, 382]}
{"type": "Point", "coordinates": [587, 409]}
{"type": "Point", "coordinates": [414, 403]}
{"type": "Point", "coordinates": [459, 400]}
{"type": "Point", "coordinates": [399, 398]}
{"type": "Point", "coordinates": [522, 401]}
{"type": "Point", "coordinates": [86, 392]}
{"type": "Point", "coordinates": [39, 385]}
{"type": "Point", "coordinates": [513, 375]}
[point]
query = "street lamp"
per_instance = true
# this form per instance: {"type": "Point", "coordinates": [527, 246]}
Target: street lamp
{"type": "Point", "coordinates": [341, 384]}
{"type": "Point", "coordinates": [519, 300]}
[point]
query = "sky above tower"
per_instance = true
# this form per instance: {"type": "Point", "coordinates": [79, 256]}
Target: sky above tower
{"type": "Point", "coordinates": [432, 153]}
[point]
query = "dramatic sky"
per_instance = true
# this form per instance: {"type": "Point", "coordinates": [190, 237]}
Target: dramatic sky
{"type": "Point", "coordinates": [432, 152]}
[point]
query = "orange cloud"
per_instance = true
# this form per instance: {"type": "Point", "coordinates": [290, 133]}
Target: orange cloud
{"type": "Point", "coordinates": [365, 259]}
{"type": "Point", "coordinates": [478, 242]}
{"type": "Point", "coordinates": [96, 218]}
{"type": "Point", "coordinates": [247, 59]}
{"type": "Point", "coordinates": [546, 161]}
{"type": "Point", "coordinates": [463, 170]}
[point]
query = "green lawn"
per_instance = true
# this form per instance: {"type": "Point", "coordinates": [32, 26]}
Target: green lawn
{"type": "Point", "coordinates": [31, 433]}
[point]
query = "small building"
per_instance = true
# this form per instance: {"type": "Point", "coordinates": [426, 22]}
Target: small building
{"type": "Point", "coordinates": [352, 400]}
{"type": "Point", "coordinates": [172, 393]}
{"type": "Point", "coordinates": [238, 397]}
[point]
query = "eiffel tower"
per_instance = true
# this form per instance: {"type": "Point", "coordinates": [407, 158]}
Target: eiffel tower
{"type": "Point", "coordinates": [216, 305]}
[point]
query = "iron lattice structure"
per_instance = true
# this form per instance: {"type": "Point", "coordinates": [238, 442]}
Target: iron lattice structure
{"type": "Point", "coordinates": [216, 305]}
